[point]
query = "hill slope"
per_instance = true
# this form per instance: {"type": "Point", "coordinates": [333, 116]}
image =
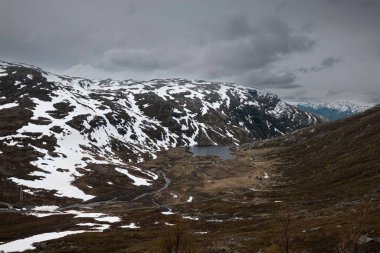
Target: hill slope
{"type": "Point", "coordinates": [341, 155]}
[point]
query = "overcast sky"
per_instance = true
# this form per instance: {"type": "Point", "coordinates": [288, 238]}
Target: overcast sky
{"type": "Point", "coordinates": [299, 49]}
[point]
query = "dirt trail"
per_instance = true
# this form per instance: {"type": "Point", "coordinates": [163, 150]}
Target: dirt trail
{"type": "Point", "coordinates": [167, 183]}
{"type": "Point", "coordinates": [9, 206]}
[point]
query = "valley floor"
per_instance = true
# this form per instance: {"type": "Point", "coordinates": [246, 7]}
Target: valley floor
{"type": "Point", "coordinates": [239, 205]}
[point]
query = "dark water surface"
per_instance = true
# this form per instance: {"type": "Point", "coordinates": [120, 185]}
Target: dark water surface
{"type": "Point", "coordinates": [224, 152]}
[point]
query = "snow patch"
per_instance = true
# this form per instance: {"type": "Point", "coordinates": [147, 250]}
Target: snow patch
{"type": "Point", "coordinates": [45, 208]}
{"type": "Point", "coordinates": [138, 181]}
{"type": "Point", "coordinates": [190, 217]}
{"type": "Point", "coordinates": [109, 219]}
{"type": "Point", "coordinates": [9, 105]}
{"type": "Point", "coordinates": [130, 225]}
{"type": "Point", "coordinates": [27, 243]}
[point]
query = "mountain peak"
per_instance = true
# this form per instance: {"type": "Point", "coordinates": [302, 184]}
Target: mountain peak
{"type": "Point", "coordinates": [67, 125]}
{"type": "Point", "coordinates": [332, 110]}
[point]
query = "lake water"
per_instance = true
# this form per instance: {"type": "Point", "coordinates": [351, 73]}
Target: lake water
{"type": "Point", "coordinates": [224, 152]}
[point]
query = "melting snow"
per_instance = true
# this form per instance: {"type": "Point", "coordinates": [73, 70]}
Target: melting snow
{"type": "Point", "coordinates": [95, 226]}
{"type": "Point", "coordinates": [9, 105]}
{"type": "Point", "coordinates": [97, 216]}
{"type": "Point", "coordinates": [138, 181]}
{"type": "Point", "coordinates": [168, 212]}
{"type": "Point", "coordinates": [45, 208]}
{"type": "Point", "coordinates": [190, 217]}
{"type": "Point", "coordinates": [27, 243]}
{"type": "Point", "coordinates": [109, 219]}
{"type": "Point", "coordinates": [131, 225]}
{"type": "Point", "coordinates": [88, 224]}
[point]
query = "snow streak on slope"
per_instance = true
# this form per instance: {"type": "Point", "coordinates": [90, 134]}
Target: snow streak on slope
{"type": "Point", "coordinates": [27, 243]}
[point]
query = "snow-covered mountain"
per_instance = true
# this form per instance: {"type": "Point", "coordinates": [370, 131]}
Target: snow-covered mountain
{"type": "Point", "coordinates": [56, 129]}
{"type": "Point", "coordinates": [332, 110]}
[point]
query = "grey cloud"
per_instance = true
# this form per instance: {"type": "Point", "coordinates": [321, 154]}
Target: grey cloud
{"type": "Point", "coordinates": [373, 98]}
{"type": "Point", "coordinates": [303, 69]}
{"type": "Point", "coordinates": [259, 43]}
{"type": "Point", "coordinates": [354, 14]}
{"type": "Point", "coordinates": [233, 28]}
{"type": "Point", "coordinates": [253, 47]}
{"type": "Point", "coordinates": [140, 59]}
{"type": "Point", "coordinates": [326, 63]}
{"type": "Point", "coordinates": [132, 8]}
{"type": "Point", "coordinates": [284, 81]}
{"type": "Point", "coordinates": [240, 48]}
{"type": "Point", "coordinates": [61, 33]}
{"type": "Point", "coordinates": [363, 3]}
{"type": "Point", "coordinates": [299, 95]}
{"type": "Point", "coordinates": [333, 92]}
{"type": "Point", "coordinates": [330, 62]}
{"type": "Point", "coordinates": [269, 79]}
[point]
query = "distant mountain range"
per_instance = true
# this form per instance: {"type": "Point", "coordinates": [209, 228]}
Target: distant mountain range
{"type": "Point", "coordinates": [54, 128]}
{"type": "Point", "coordinates": [332, 110]}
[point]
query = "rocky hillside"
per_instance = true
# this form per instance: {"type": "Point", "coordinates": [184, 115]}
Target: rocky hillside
{"type": "Point", "coordinates": [56, 129]}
